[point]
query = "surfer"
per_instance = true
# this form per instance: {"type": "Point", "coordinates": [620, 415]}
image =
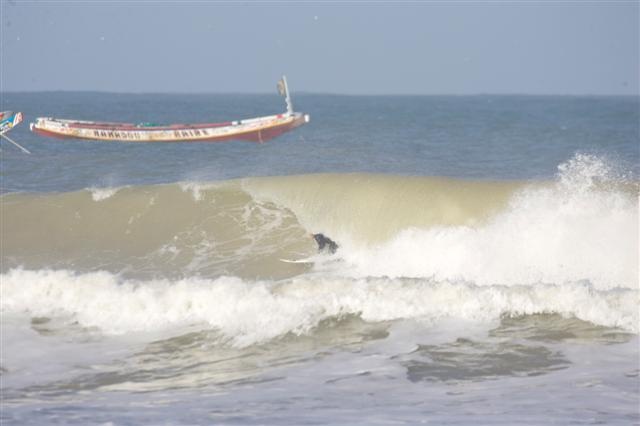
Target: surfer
{"type": "Point", "coordinates": [325, 243]}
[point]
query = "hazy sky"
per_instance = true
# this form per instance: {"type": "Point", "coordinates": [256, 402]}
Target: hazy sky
{"type": "Point", "coordinates": [330, 47]}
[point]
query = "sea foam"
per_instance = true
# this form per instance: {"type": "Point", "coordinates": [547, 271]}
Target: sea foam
{"type": "Point", "coordinates": [248, 312]}
{"type": "Point", "coordinates": [583, 226]}
{"type": "Point", "coordinates": [100, 194]}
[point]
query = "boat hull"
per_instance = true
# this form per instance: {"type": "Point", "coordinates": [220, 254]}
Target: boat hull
{"type": "Point", "coordinates": [258, 130]}
{"type": "Point", "coordinates": [8, 120]}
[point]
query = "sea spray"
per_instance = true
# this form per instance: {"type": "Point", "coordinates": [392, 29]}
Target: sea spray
{"type": "Point", "coordinates": [584, 226]}
{"type": "Point", "coordinates": [100, 194]}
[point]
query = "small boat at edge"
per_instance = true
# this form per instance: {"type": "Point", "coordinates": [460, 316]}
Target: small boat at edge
{"type": "Point", "coordinates": [259, 129]}
{"type": "Point", "coordinates": [9, 120]}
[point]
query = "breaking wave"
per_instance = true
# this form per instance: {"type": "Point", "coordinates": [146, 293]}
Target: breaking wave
{"type": "Point", "coordinates": [245, 313]}
{"type": "Point", "coordinates": [210, 254]}
{"type": "Point", "coordinates": [584, 226]}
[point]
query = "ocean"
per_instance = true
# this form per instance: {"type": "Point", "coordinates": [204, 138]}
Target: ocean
{"type": "Point", "coordinates": [487, 269]}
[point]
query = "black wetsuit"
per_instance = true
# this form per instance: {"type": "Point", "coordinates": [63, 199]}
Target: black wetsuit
{"type": "Point", "coordinates": [324, 242]}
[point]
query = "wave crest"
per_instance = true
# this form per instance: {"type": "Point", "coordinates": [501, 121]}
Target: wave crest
{"type": "Point", "coordinates": [246, 312]}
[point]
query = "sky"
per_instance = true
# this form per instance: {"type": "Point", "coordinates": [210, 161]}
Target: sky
{"type": "Point", "coordinates": [406, 47]}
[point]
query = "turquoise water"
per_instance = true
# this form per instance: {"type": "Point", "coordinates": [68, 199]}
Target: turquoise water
{"type": "Point", "coordinates": [487, 269]}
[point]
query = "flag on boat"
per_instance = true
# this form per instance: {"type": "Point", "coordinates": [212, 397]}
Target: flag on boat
{"type": "Point", "coordinates": [282, 87]}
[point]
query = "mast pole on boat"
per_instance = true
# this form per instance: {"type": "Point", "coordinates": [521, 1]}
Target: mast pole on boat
{"type": "Point", "coordinates": [287, 97]}
{"type": "Point", "coordinates": [25, 150]}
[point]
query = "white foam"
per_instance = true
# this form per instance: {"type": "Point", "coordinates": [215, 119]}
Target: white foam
{"type": "Point", "coordinates": [197, 189]}
{"type": "Point", "coordinates": [250, 312]}
{"type": "Point", "coordinates": [25, 349]}
{"type": "Point", "coordinates": [101, 194]}
{"type": "Point", "coordinates": [569, 231]}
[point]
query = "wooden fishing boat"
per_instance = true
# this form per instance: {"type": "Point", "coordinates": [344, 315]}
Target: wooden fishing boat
{"type": "Point", "coordinates": [258, 129]}
{"type": "Point", "coordinates": [9, 120]}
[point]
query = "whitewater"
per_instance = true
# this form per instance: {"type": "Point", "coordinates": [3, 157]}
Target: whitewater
{"type": "Point", "coordinates": [451, 297]}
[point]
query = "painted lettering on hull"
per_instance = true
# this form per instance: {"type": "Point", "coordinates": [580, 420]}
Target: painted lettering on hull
{"type": "Point", "coordinates": [259, 130]}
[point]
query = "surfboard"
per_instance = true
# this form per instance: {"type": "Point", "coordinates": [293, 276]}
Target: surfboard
{"type": "Point", "coordinates": [296, 260]}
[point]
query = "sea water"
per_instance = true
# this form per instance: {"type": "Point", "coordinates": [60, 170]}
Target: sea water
{"type": "Point", "coordinates": [487, 269]}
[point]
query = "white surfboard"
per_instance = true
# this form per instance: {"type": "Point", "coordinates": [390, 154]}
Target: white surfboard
{"type": "Point", "coordinates": [297, 260]}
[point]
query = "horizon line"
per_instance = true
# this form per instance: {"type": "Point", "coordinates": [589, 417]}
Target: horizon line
{"type": "Point", "coordinates": [303, 92]}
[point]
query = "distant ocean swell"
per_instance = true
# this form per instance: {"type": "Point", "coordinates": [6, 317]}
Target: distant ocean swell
{"type": "Point", "coordinates": [211, 254]}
